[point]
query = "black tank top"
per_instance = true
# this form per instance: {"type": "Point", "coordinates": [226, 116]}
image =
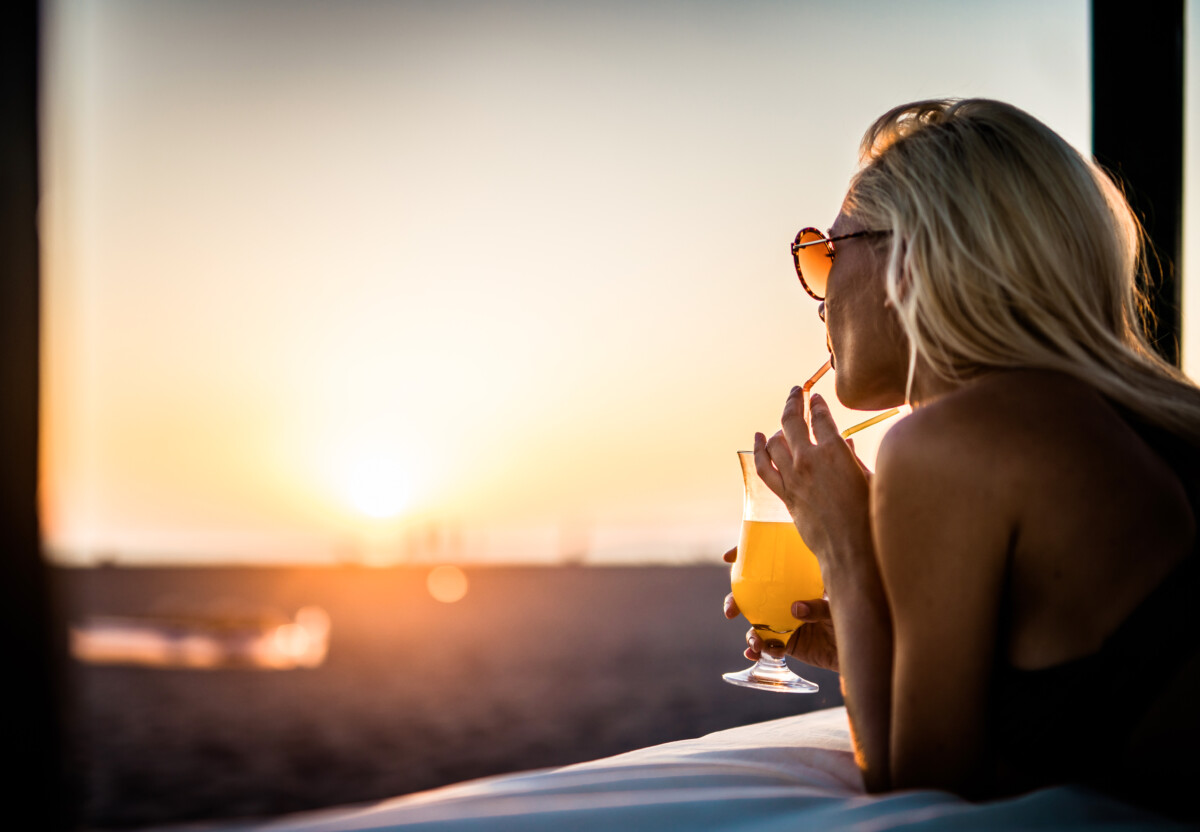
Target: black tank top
{"type": "Point", "coordinates": [1117, 718]}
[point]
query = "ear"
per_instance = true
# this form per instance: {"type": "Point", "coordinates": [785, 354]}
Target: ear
{"type": "Point", "coordinates": [898, 264]}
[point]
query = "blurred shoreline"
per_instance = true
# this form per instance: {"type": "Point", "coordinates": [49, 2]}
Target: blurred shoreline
{"type": "Point", "coordinates": [535, 666]}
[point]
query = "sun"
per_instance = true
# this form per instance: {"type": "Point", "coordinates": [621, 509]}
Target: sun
{"type": "Point", "coordinates": [377, 487]}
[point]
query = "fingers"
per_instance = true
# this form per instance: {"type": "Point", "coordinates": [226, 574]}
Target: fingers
{"type": "Point", "coordinates": [753, 645]}
{"type": "Point", "coordinates": [823, 427]}
{"type": "Point", "coordinates": [731, 555]}
{"type": "Point", "coordinates": [764, 465]}
{"type": "Point", "coordinates": [811, 611]}
{"type": "Point", "coordinates": [780, 455]}
{"type": "Point", "coordinates": [731, 607]}
{"type": "Point", "coordinates": [795, 428]}
{"type": "Point", "coordinates": [756, 646]}
{"type": "Point", "coordinates": [794, 434]}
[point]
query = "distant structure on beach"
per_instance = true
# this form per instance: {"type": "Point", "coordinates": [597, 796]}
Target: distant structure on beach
{"type": "Point", "coordinates": [266, 641]}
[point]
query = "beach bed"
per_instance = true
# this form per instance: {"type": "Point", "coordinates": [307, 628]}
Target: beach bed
{"type": "Point", "coordinates": [795, 773]}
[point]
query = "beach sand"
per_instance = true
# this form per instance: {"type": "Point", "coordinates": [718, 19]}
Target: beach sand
{"type": "Point", "coordinates": [536, 666]}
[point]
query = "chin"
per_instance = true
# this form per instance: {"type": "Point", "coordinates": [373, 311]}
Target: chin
{"type": "Point", "coordinates": [870, 396]}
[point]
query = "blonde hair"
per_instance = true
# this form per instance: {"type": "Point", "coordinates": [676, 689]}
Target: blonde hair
{"type": "Point", "coordinates": [1010, 249]}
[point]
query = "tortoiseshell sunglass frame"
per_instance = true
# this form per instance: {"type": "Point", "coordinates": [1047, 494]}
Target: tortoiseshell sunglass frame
{"type": "Point", "coordinates": [827, 241]}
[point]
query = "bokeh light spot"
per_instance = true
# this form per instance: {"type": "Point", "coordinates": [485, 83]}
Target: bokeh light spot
{"type": "Point", "coordinates": [447, 584]}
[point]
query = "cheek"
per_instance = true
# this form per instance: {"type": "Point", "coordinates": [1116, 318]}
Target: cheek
{"type": "Point", "coordinates": [843, 314]}
{"type": "Point", "coordinates": [870, 350]}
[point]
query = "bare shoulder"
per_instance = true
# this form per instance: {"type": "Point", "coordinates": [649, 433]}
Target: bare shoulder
{"type": "Point", "coordinates": [1013, 425]}
{"type": "Point", "coordinates": [965, 467]}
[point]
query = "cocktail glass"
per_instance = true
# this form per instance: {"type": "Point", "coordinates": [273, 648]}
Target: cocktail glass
{"type": "Point", "coordinates": [773, 569]}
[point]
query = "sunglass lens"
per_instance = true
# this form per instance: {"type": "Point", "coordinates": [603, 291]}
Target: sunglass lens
{"type": "Point", "coordinates": [813, 262]}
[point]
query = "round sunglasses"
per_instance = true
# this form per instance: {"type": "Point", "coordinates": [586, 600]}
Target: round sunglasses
{"type": "Point", "coordinates": [813, 254]}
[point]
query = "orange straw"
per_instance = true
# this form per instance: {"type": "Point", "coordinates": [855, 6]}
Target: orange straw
{"type": "Point", "coordinates": [874, 420]}
{"type": "Point", "coordinates": [806, 390]}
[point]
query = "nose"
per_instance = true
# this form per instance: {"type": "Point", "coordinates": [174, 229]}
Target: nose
{"type": "Point", "coordinates": [821, 311]}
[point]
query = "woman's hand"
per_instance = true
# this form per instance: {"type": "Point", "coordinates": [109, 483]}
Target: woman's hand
{"type": "Point", "coordinates": [822, 482]}
{"type": "Point", "coordinates": [813, 642]}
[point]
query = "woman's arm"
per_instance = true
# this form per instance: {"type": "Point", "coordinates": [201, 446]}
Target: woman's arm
{"type": "Point", "coordinates": [867, 618]}
{"type": "Point", "coordinates": [942, 528]}
{"type": "Point", "coordinates": [862, 620]}
{"type": "Point", "coordinates": [826, 490]}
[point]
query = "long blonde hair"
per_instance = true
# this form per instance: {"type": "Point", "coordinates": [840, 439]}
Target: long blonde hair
{"type": "Point", "coordinates": [1010, 249]}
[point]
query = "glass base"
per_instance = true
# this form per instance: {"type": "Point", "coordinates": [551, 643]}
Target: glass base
{"type": "Point", "coordinates": [770, 673]}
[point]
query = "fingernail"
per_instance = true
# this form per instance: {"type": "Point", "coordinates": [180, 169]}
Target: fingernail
{"type": "Point", "coordinates": [796, 389]}
{"type": "Point", "coordinates": [800, 610]}
{"type": "Point", "coordinates": [816, 397]}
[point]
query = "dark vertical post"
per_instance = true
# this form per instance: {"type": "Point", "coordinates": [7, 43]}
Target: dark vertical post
{"type": "Point", "coordinates": [30, 732]}
{"type": "Point", "coordinates": [1137, 133]}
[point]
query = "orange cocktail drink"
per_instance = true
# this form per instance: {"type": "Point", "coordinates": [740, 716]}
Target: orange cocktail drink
{"type": "Point", "coordinates": [774, 568]}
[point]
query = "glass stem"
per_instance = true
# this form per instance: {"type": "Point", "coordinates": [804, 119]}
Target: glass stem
{"type": "Point", "coordinates": [774, 663]}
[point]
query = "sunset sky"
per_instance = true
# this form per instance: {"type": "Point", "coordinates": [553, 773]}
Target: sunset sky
{"type": "Point", "coordinates": [457, 280]}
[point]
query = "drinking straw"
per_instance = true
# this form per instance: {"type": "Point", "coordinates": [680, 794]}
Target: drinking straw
{"type": "Point", "coordinates": [806, 393]}
{"type": "Point", "coordinates": [878, 417]}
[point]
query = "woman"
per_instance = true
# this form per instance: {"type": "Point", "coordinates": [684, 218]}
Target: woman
{"type": "Point", "coordinates": [1010, 589]}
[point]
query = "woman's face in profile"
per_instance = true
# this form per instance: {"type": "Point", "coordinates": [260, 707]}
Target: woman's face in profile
{"type": "Point", "coordinates": [870, 352]}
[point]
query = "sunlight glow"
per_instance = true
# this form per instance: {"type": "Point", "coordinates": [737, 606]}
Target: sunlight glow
{"type": "Point", "coordinates": [376, 487]}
